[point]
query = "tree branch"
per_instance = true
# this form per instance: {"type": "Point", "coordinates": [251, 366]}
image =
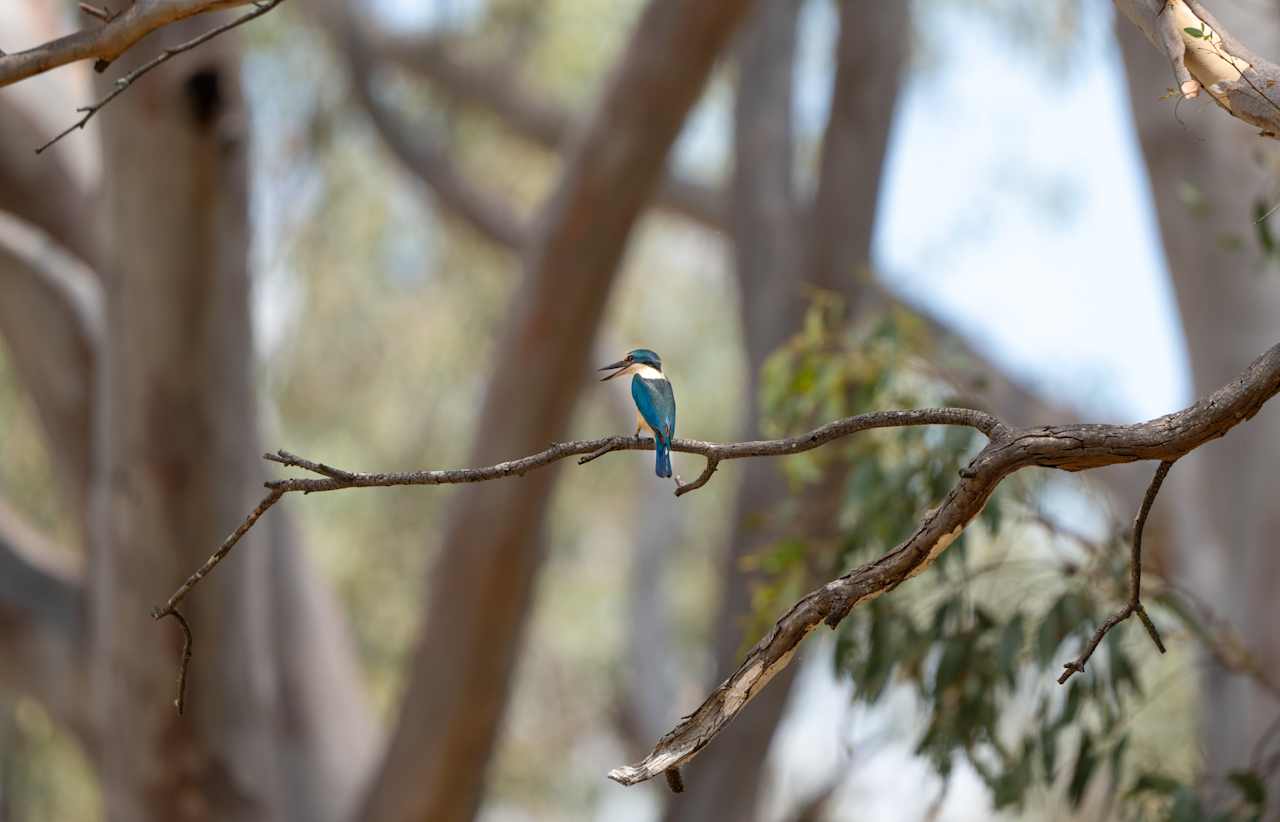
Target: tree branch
{"type": "Point", "coordinates": [1134, 605]}
{"type": "Point", "coordinates": [52, 318]}
{"type": "Point", "coordinates": [530, 114]}
{"type": "Point", "coordinates": [107, 42]}
{"type": "Point", "coordinates": [47, 194]}
{"type": "Point", "coordinates": [1069, 447]}
{"type": "Point", "coordinates": [483, 210]}
{"type": "Point", "coordinates": [1203, 54]}
{"type": "Point", "coordinates": [260, 8]}
{"type": "Point", "coordinates": [336, 479]}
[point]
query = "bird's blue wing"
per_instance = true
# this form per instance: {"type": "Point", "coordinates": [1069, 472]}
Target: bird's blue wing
{"type": "Point", "coordinates": [657, 405]}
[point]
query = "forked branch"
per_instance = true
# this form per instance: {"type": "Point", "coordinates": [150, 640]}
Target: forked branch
{"type": "Point", "coordinates": [104, 43]}
{"type": "Point", "coordinates": [336, 479]}
{"type": "Point", "coordinates": [1134, 605]}
{"type": "Point", "coordinates": [1069, 447]}
{"type": "Point", "coordinates": [118, 87]}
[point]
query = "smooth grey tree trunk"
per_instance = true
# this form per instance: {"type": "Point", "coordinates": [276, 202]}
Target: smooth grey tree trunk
{"type": "Point", "coordinates": [1207, 173]}
{"type": "Point", "coordinates": [782, 249]}
{"type": "Point", "coordinates": [480, 587]}
{"type": "Point", "coordinates": [275, 726]}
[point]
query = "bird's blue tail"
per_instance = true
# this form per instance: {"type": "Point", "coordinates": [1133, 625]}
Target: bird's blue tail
{"type": "Point", "coordinates": [664, 458]}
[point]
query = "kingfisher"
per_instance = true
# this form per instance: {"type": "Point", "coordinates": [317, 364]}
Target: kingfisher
{"type": "Point", "coordinates": [655, 404]}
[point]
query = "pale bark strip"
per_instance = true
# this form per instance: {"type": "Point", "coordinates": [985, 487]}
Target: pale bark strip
{"type": "Point", "coordinates": [1204, 54]}
{"type": "Point", "coordinates": [104, 43]}
{"type": "Point", "coordinates": [1069, 447]}
{"type": "Point", "coordinates": [481, 586]}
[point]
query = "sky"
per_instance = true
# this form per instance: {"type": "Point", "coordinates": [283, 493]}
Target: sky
{"type": "Point", "coordinates": [1075, 295]}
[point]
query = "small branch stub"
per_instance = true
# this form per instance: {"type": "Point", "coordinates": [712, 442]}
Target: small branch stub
{"type": "Point", "coordinates": [1134, 605]}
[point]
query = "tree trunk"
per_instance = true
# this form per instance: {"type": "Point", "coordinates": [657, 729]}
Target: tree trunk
{"type": "Point", "coordinates": [774, 273]}
{"type": "Point", "coordinates": [1207, 173]}
{"type": "Point", "coordinates": [480, 587]}
{"type": "Point", "coordinates": [175, 465]}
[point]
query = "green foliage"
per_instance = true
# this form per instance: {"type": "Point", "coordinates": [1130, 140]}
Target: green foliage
{"type": "Point", "coordinates": [1165, 798]}
{"type": "Point", "coordinates": [972, 640]}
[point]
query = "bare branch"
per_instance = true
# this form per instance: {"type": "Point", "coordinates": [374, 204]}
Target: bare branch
{"type": "Point", "coordinates": [1134, 605]}
{"type": "Point", "coordinates": [170, 608]}
{"type": "Point", "coordinates": [1069, 447]}
{"type": "Point", "coordinates": [260, 8]}
{"type": "Point", "coordinates": [105, 43]}
{"type": "Point", "coordinates": [336, 479]}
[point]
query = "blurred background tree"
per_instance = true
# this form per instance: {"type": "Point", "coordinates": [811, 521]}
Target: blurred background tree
{"type": "Point", "coordinates": [420, 224]}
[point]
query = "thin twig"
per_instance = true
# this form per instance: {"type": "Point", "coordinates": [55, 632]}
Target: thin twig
{"type": "Point", "coordinates": [224, 549]}
{"type": "Point", "coordinates": [1075, 447]}
{"type": "Point", "coordinates": [170, 608]}
{"type": "Point", "coordinates": [337, 479]}
{"type": "Point", "coordinates": [104, 14]}
{"type": "Point", "coordinates": [1134, 605]}
{"type": "Point", "coordinates": [181, 702]}
{"type": "Point", "coordinates": [127, 80]}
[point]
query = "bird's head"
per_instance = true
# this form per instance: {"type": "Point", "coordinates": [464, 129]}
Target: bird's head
{"type": "Point", "coordinates": [633, 362]}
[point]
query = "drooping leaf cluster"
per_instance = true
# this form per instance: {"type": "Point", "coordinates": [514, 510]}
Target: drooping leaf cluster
{"type": "Point", "coordinates": [981, 637]}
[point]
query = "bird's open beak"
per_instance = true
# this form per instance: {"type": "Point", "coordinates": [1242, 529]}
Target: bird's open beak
{"type": "Point", "coordinates": [621, 365]}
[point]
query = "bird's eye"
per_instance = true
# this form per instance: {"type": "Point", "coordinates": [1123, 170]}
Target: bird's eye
{"type": "Point", "coordinates": [630, 358]}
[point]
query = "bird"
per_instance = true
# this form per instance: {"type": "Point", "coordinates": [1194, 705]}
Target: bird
{"type": "Point", "coordinates": [655, 402]}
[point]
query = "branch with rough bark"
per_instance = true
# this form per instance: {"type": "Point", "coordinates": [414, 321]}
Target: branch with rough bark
{"type": "Point", "coordinates": [337, 479]}
{"type": "Point", "coordinates": [1203, 54]}
{"type": "Point", "coordinates": [1075, 447]}
{"type": "Point", "coordinates": [1068, 447]}
{"type": "Point", "coordinates": [118, 87]}
{"type": "Point", "coordinates": [103, 44]}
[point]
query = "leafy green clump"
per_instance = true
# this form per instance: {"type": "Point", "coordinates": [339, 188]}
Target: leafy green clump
{"type": "Point", "coordinates": [981, 637]}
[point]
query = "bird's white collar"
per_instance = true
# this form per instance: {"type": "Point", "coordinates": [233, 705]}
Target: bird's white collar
{"type": "Point", "coordinates": [646, 371]}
